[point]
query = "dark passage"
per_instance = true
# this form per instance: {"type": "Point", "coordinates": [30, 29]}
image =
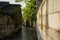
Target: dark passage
{"type": "Point", "coordinates": [27, 33]}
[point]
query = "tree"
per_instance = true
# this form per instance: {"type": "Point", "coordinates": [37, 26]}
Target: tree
{"type": "Point", "coordinates": [29, 12]}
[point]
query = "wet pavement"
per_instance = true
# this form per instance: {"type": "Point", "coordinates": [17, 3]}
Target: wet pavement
{"type": "Point", "coordinates": [27, 33]}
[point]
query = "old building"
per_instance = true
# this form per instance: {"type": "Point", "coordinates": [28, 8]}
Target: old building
{"type": "Point", "coordinates": [10, 18]}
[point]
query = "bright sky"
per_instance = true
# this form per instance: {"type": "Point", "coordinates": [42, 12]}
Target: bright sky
{"type": "Point", "coordinates": [13, 2]}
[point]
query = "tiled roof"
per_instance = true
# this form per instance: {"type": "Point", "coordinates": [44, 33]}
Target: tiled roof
{"type": "Point", "coordinates": [10, 8]}
{"type": "Point", "coordinates": [5, 7]}
{"type": "Point", "coordinates": [2, 4]}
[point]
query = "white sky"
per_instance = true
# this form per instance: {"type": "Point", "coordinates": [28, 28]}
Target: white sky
{"type": "Point", "coordinates": [13, 2]}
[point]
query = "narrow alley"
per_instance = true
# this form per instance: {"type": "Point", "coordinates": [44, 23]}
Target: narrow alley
{"type": "Point", "coordinates": [25, 34]}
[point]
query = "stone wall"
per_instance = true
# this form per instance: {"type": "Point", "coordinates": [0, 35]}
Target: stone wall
{"type": "Point", "coordinates": [48, 19]}
{"type": "Point", "coordinates": [10, 19]}
{"type": "Point", "coordinates": [7, 25]}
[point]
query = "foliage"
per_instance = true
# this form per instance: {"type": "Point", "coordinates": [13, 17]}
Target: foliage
{"type": "Point", "coordinates": [29, 12]}
{"type": "Point", "coordinates": [18, 0]}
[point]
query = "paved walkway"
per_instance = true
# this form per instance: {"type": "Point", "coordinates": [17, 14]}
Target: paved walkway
{"type": "Point", "coordinates": [26, 34]}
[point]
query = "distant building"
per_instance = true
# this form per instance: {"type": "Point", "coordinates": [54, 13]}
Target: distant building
{"type": "Point", "coordinates": [38, 3]}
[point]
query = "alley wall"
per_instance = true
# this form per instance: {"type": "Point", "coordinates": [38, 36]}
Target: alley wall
{"type": "Point", "coordinates": [48, 19]}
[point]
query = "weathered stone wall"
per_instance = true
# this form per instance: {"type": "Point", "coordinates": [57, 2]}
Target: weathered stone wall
{"type": "Point", "coordinates": [48, 19]}
{"type": "Point", "coordinates": [10, 20]}
{"type": "Point", "coordinates": [19, 18]}
{"type": "Point", "coordinates": [7, 25]}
